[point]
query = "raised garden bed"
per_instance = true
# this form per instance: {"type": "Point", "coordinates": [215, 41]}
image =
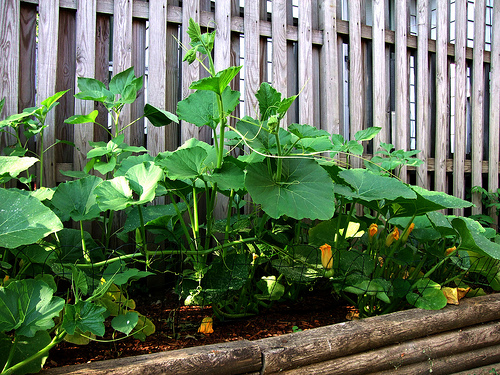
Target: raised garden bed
{"type": "Point", "coordinates": [452, 340]}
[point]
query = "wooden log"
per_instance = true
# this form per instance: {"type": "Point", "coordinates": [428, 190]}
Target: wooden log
{"type": "Point", "coordinates": [236, 357]}
{"type": "Point", "coordinates": [450, 364]}
{"type": "Point", "coordinates": [483, 370]}
{"type": "Point", "coordinates": [409, 352]}
{"type": "Point", "coordinates": [326, 343]}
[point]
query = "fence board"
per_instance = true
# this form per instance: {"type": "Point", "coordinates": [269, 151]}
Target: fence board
{"type": "Point", "coordinates": [103, 35]}
{"type": "Point", "coordinates": [494, 133]}
{"type": "Point", "coordinates": [86, 22]}
{"type": "Point", "coordinates": [477, 103]}
{"type": "Point", "coordinates": [251, 56]}
{"type": "Point", "coordinates": [122, 52]}
{"type": "Point", "coordinates": [279, 57]}
{"type": "Point", "coordinates": [423, 139]}
{"type": "Point", "coordinates": [190, 73]}
{"type": "Point", "coordinates": [330, 85]}
{"type": "Point", "coordinates": [137, 137]}
{"type": "Point", "coordinates": [378, 69]}
{"type": "Point", "coordinates": [460, 100]}
{"type": "Point", "coordinates": [305, 64]}
{"type": "Point", "coordinates": [356, 92]}
{"type": "Point", "coordinates": [442, 114]}
{"type": "Point", "coordinates": [401, 80]}
{"type": "Point", "coordinates": [48, 28]}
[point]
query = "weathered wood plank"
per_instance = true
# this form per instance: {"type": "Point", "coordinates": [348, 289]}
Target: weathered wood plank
{"type": "Point", "coordinates": [137, 137]}
{"type": "Point", "coordinates": [122, 52]}
{"type": "Point", "coordinates": [494, 133]}
{"type": "Point", "coordinates": [103, 34]}
{"type": "Point", "coordinates": [477, 103]}
{"type": "Point", "coordinates": [190, 72]}
{"type": "Point", "coordinates": [327, 343]}
{"type": "Point", "coordinates": [442, 110]}
{"type": "Point", "coordinates": [329, 82]}
{"type": "Point", "coordinates": [48, 27]}
{"type": "Point", "coordinates": [9, 67]}
{"type": "Point", "coordinates": [86, 26]}
{"type": "Point", "coordinates": [410, 352]}
{"type": "Point", "coordinates": [157, 70]}
{"type": "Point", "coordinates": [172, 131]}
{"type": "Point", "coordinates": [356, 76]}
{"type": "Point", "coordinates": [66, 68]}
{"type": "Point", "coordinates": [279, 58]}
{"type": "Point", "coordinates": [423, 98]}
{"type": "Point", "coordinates": [379, 77]}
{"type": "Point", "coordinates": [460, 100]}
{"type": "Point", "coordinates": [401, 81]}
{"type": "Point", "coordinates": [251, 56]}
{"type": "Point", "coordinates": [237, 357]}
{"type": "Point", "coordinates": [305, 73]}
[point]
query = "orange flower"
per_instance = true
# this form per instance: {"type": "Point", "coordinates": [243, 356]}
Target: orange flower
{"type": "Point", "coordinates": [393, 236]}
{"type": "Point", "coordinates": [407, 233]}
{"type": "Point", "coordinates": [206, 326]}
{"type": "Point", "coordinates": [372, 230]}
{"type": "Point", "coordinates": [449, 250]}
{"type": "Point", "coordinates": [326, 256]}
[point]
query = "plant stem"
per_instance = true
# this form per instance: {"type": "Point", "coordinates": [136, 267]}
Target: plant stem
{"type": "Point", "coordinates": [143, 229]}
{"type": "Point", "coordinates": [84, 245]}
{"type": "Point", "coordinates": [11, 354]}
{"type": "Point", "coordinates": [279, 162]}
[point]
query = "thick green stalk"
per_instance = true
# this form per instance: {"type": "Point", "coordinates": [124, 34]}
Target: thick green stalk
{"type": "Point", "coordinates": [279, 162]}
{"type": "Point", "coordinates": [143, 230]}
{"type": "Point", "coordinates": [11, 354]}
{"type": "Point", "coordinates": [181, 220]}
{"type": "Point", "coordinates": [86, 255]}
{"type": "Point", "coordinates": [195, 222]}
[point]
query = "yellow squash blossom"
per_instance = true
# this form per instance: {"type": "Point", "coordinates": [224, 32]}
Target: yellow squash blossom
{"type": "Point", "coordinates": [449, 251]}
{"type": "Point", "coordinates": [326, 256]}
{"type": "Point", "coordinates": [372, 230]}
{"type": "Point", "coordinates": [407, 232]}
{"type": "Point", "coordinates": [393, 236]}
{"type": "Point", "coordinates": [206, 326]}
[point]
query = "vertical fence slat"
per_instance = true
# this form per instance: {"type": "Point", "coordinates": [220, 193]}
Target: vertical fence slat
{"type": "Point", "coordinates": [103, 36]}
{"type": "Point", "coordinates": [48, 28]}
{"type": "Point", "coordinates": [423, 91]}
{"type": "Point", "coordinates": [356, 79]}
{"type": "Point", "coordinates": [157, 70]}
{"type": "Point", "coordinates": [378, 69]}
{"type": "Point", "coordinates": [9, 57]}
{"type": "Point", "coordinates": [460, 100]}
{"type": "Point", "coordinates": [139, 64]}
{"type": "Point", "coordinates": [329, 82]}
{"type": "Point", "coordinates": [477, 103]}
{"type": "Point", "coordinates": [122, 51]}
{"type": "Point", "coordinates": [279, 58]}
{"type": "Point", "coordinates": [442, 114]}
{"type": "Point", "coordinates": [251, 25]}
{"type": "Point", "coordinates": [85, 67]}
{"type": "Point", "coordinates": [401, 80]}
{"type": "Point", "coordinates": [494, 132]}
{"type": "Point", "coordinates": [190, 73]}
{"type": "Point", "coordinates": [306, 111]}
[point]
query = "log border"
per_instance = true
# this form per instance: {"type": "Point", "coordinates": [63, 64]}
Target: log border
{"type": "Point", "coordinates": [321, 350]}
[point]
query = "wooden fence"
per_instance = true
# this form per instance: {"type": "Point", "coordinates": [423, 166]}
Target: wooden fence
{"type": "Point", "coordinates": [426, 71]}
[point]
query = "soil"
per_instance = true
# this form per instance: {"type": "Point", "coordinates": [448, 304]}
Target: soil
{"type": "Point", "coordinates": [177, 327]}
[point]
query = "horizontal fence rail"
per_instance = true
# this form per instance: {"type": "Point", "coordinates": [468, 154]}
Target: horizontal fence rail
{"type": "Point", "coordinates": [425, 71]}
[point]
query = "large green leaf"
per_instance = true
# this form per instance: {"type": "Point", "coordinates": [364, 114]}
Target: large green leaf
{"type": "Point", "coordinates": [158, 117]}
{"type": "Point", "coordinates": [125, 323]}
{"type": "Point", "coordinates": [201, 108]}
{"type": "Point", "coordinates": [77, 198]}
{"type": "Point", "coordinates": [471, 240]}
{"type": "Point", "coordinates": [85, 316]}
{"type": "Point", "coordinates": [114, 194]}
{"type": "Point", "coordinates": [305, 190]}
{"type": "Point", "coordinates": [24, 219]}
{"type": "Point", "coordinates": [25, 348]}
{"type": "Point", "coordinates": [28, 306]}
{"type": "Point", "coordinates": [368, 186]}
{"type": "Point", "coordinates": [219, 82]}
{"type": "Point", "coordinates": [151, 215]}
{"type": "Point", "coordinates": [11, 166]}
{"type": "Point", "coordinates": [269, 100]}
{"type": "Point", "coordinates": [143, 179]}
{"type": "Point", "coordinates": [429, 296]}
{"type": "Point", "coordinates": [185, 163]}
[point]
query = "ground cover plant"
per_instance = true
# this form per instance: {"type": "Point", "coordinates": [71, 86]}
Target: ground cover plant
{"type": "Point", "coordinates": [296, 218]}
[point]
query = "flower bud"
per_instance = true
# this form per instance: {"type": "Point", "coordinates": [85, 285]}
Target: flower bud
{"type": "Point", "coordinates": [372, 231]}
{"type": "Point", "coordinates": [326, 256]}
{"type": "Point", "coordinates": [407, 232]}
{"type": "Point", "coordinates": [273, 124]}
{"type": "Point", "coordinates": [206, 326]}
{"type": "Point", "coordinates": [393, 236]}
{"type": "Point", "coordinates": [449, 250]}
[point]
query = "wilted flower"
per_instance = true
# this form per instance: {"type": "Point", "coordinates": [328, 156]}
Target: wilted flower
{"type": "Point", "coordinates": [407, 232]}
{"type": "Point", "coordinates": [326, 256]}
{"type": "Point", "coordinates": [206, 326]}
{"type": "Point", "coordinates": [449, 250]}
{"type": "Point", "coordinates": [393, 236]}
{"type": "Point", "coordinates": [372, 230]}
